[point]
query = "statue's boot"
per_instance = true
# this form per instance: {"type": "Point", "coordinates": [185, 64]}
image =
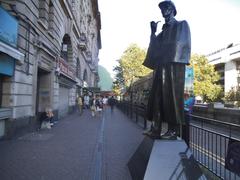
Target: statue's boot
{"type": "Point", "coordinates": [153, 134]}
{"type": "Point", "coordinates": [169, 135]}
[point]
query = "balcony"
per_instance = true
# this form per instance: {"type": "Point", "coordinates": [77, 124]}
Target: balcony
{"type": "Point", "coordinates": [82, 45]}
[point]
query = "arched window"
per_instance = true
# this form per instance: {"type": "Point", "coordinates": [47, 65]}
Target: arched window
{"type": "Point", "coordinates": [66, 51]}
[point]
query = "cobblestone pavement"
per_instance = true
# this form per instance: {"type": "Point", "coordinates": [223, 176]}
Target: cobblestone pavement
{"type": "Point", "coordinates": [77, 148]}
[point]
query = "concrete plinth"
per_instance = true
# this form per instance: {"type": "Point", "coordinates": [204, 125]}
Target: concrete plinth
{"type": "Point", "coordinates": [172, 159]}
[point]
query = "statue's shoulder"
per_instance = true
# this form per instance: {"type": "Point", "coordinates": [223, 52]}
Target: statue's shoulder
{"type": "Point", "coordinates": [183, 22]}
{"type": "Point", "coordinates": [183, 25]}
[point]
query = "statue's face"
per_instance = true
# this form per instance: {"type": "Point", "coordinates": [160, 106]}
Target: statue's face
{"type": "Point", "coordinates": [167, 11]}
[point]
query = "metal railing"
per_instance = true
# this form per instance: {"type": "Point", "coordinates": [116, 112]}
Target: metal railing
{"type": "Point", "coordinates": [134, 111]}
{"type": "Point", "coordinates": [209, 139]}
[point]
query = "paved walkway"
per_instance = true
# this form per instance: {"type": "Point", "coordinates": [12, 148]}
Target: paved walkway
{"type": "Point", "coordinates": [77, 148]}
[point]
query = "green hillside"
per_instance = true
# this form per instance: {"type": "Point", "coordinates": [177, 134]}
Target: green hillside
{"type": "Point", "coordinates": [106, 81]}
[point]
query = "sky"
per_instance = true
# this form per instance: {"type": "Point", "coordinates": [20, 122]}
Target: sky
{"type": "Point", "coordinates": [214, 24]}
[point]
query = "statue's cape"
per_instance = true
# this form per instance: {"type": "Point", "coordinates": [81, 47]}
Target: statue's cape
{"type": "Point", "coordinates": [172, 45]}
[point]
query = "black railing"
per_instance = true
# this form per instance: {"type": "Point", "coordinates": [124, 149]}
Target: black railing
{"type": "Point", "coordinates": [209, 139]}
{"type": "Point", "coordinates": [134, 111]}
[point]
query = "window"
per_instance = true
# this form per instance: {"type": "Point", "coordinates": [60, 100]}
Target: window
{"type": "Point", "coordinates": [51, 17]}
{"type": "Point", "coordinates": [46, 14]}
{"type": "Point", "coordinates": [43, 11]}
{"type": "Point", "coordinates": [238, 73]}
{"type": "Point", "coordinates": [78, 69]}
{"type": "Point", "coordinates": [85, 75]}
{"type": "Point", "coordinates": [67, 51]}
{"type": "Point", "coordinates": [1, 89]}
{"type": "Point", "coordinates": [220, 69]}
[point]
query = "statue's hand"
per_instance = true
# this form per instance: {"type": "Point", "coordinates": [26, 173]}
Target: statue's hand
{"type": "Point", "coordinates": [153, 26]}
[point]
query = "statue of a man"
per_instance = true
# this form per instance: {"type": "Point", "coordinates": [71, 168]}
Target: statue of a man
{"type": "Point", "coordinates": [167, 55]}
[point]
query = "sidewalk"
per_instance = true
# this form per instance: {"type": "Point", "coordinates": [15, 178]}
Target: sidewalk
{"type": "Point", "coordinates": [78, 147]}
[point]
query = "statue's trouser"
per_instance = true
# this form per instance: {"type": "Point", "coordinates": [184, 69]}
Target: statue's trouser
{"type": "Point", "coordinates": [166, 100]}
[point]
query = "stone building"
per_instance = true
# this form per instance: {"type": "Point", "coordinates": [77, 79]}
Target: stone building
{"type": "Point", "coordinates": [48, 53]}
{"type": "Point", "coordinates": [227, 63]}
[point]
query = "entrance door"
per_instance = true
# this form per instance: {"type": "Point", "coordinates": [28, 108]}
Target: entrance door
{"type": "Point", "coordinates": [63, 101]}
{"type": "Point", "coordinates": [43, 90]}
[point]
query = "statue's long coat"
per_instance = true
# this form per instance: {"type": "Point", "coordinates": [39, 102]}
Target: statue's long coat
{"type": "Point", "coordinates": [171, 46]}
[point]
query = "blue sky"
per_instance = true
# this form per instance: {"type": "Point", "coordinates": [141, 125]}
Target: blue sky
{"type": "Point", "coordinates": [214, 24]}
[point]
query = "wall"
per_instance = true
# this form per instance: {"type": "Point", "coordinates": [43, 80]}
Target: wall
{"type": "Point", "coordinates": [230, 115]}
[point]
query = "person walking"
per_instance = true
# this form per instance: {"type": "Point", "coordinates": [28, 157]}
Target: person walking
{"type": "Point", "coordinates": [93, 106]}
{"type": "Point", "coordinates": [80, 105]}
{"type": "Point", "coordinates": [111, 103]}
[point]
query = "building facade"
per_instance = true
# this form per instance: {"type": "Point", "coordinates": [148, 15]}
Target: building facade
{"type": "Point", "coordinates": [48, 54]}
{"type": "Point", "coordinates": [227, 63]}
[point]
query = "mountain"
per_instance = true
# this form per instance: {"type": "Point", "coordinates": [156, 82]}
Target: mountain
{"type": "Point", "coordinates": [106, 81]}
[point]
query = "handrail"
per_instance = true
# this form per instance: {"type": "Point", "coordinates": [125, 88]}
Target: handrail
{"type": "Point", "coordinates": [216, 121]}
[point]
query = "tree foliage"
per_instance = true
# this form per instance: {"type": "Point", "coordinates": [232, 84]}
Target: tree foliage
{"type": "Point", "coordinates": [131, 64]}
{"type": "Point", "coordinates": [205, 79]}
{"type": "Point", "coordinates": [119, 82]}
{"type": "Point", "coordinates": [233, 95]}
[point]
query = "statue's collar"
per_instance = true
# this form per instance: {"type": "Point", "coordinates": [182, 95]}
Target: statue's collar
{"type": "Point", "coordinates": [169, 23]}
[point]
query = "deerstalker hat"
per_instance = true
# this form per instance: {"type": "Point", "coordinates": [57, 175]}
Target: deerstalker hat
{"type": "Point", "coordinates": [167, 2]}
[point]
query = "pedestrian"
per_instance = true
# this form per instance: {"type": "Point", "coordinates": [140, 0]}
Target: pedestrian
{"type": "Point", "coordinates": [168, 53]}
{"type": "Point", "coordinates": [86, 101]}
{"type": "Point", "coordinates": [98, 105]}
{"type": "Point", "coordinates": [93, 106]}
{"type": "Point", "coordinates": [111, 103]}
{"type": "Point", "coordinates": [47, 119]}
{"type": "Point", "coordinates": [105, 102]}
{"type": "Point", "coordinates": [80, 105]}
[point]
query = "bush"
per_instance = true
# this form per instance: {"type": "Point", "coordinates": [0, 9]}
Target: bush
{"type": "Point", "coordinates": [233, 95]}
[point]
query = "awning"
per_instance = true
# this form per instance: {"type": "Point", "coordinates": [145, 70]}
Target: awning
{"type": "Point", "coordinates": [14, 53]}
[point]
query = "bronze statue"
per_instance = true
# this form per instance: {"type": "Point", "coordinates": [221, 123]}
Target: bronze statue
{"type": "Point", "coordinates": [167, 55]}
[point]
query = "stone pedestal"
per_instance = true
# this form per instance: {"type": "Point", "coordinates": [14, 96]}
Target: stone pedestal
{"type": "Point", "coordinates": [164, 160]}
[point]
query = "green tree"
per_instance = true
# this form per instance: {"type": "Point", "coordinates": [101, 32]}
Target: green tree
{"type": "Point", "coordinates": [131, 64]}
{"type": "Point", "coordinates": [205, 79]}
{"type": "Point", "coordinates": [119, 82]}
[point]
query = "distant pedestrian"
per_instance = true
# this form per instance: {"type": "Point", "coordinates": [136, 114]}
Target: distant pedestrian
{"type": "Point", "coordinates": [93, 106]}
{"type": "Point", "coordinates": [105, 102]}
{"type": "Point", "coordinates": [80, 104]}
{"type": "Point", "coordinates": [86, 101]}
{"type": "Point", "coordinates": [47, 119]}
{"type": "Point", "coordinates": [98, 105]}
{"type": "Point", "coordinates": [111, 103]}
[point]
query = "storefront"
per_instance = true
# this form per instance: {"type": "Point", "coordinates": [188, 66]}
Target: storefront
{"type": "Point", "coordinates": [67, 88]}
{"type": "Point", "coordinates": [9, 56]}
